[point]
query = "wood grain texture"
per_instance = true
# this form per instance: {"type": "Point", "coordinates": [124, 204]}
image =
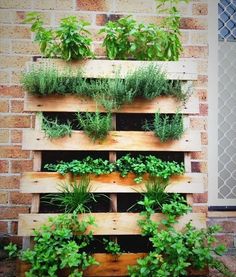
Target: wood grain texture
{"type": "Point", "coordinates": [107, 223]}
{"type": "Point", "coordinates": [51, 182]}
{"type": "Point", "coordinates": [115, 141]}
{"type": "Point", "coordinates": [109, 266]}
{"type": "Point", "coordinates": [72, 103]}
{"type": "Point", "coordinates": [180, 70]}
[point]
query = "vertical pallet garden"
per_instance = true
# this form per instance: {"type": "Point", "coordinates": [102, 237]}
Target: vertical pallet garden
{"type": "Point", "coordinates": [113, 222]}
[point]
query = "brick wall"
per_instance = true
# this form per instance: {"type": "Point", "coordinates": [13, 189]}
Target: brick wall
{"type": "Point", "coordinates": [17, 47]}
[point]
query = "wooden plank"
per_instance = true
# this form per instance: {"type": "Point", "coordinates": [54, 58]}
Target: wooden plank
{"type": "Point", "coordinates": [51, 182]}
{"type": "Point", "coordinates": [115, 141]}
{"type": "Point", "coordinates": [222, 214]}
{"type": "Point", "coordinates": [72, 103]}
{"type": "Point", "coordinates": [107, 223]}
{"type": "Point", "coordinates": [180, 70]}
{"type": "Point", "coordinates": [109, 266]}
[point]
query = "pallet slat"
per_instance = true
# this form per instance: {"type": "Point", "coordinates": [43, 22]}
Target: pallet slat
{"type": "Point", "coordinates": [72, 103]}
{"type": "Point", "coordinates": [180, 70]}
{"type": "Point", "coordinates": [115, 141]}
{"type": "Point", "coordinates": [109, 266]}
{"type": "Point", "coordinates": [51, 182]}
{"type": "Point", "coordinates": [107, 223]}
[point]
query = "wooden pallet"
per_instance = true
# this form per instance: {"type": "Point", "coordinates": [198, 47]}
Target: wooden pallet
{"type": "Point", "coordinates": [111, 223]}
{"type": "Point", "coordinates": [51, 182]}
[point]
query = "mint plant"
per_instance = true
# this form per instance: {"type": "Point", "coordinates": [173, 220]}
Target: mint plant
{"type": "Point", "coordinates": [173, 252]}
{"type": "Point", "coordinates": [60, 244]}
{"type": "Point", "coordinates": [112, 247]}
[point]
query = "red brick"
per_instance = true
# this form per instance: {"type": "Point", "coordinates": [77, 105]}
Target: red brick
{"type": "Point", "coordinates": [101, 19]}
{"type": "Point", "coordinates": [201, 155]}
{"type": "Point", "coordinates": [195, 52]}
{"type": "Point", "coordinates": [203, 109]}
{"type": "Point", "coordinates": [200, 197]}
{"type": "Point", "coordinates": [15, 121]}
{"type": "Point", "coordinates": [20, 198]}
{"type": "Point", "coordinates": [7, 267]}
{"type": "Point", "coordinates": [204, 138]}
{"type": "Point", "coordinates": [3, 227]}
{"type": "Point", "coordinates": [4, 106]}
{"type": "Point", "coordinates": [14, 239]}
{"type": "Point", "coordinates": [13, 152]}
{"type": "Point", "coordinates": [21, 166]}
{"type": "Point", "coordinates": [228, 226]}
{"type": "Point", "coordinates": [9, 182]}
{"type": "Point", "coordinates": [16, 136]}
{"type": "Point", "coordinates": [198, 123]}
{"type": "Point", "coordinates": [14, 227]}
{"type": "Point", "coordinates": [136, 6]}
{"type": "Point", "coordinates": [202, 81]}
{"type": "Point", "coordinates": [229, 261]}
{"type": "Point", "coordinates": [4, 136]}
{"type": "Point", "coordinates": [94, 5]}
{"type": "Point", "coordinates": [17, 106]}
{"type": "Point", "coordinates": [15, 32]}
{"type": "Point", "coordinates": [227, 240]}
{"type": "Point", "coordinates": [99, 50]}
{"type": "Point", "coordinates": [12, 212]}
{"type": "Point", "coordinates": [193, 23]}
{"type": "Point", "coordinates": [199, 167]}
{"type": "Point", "coordinates": [200, 209]}
{"type": "Point", "coordinates": [11, 92]}
{"type": "Point", "coordinates": [4, 167]}
{"type": "Point", "coordinates": [202, 94]}
{"type": "Point", "coordinates": [3, 197]}
{"type": "Point", "coordinates": [200, 9]}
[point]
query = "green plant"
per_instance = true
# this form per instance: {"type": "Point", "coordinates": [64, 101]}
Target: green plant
{"type": "Point", "coordinates": [60, 244]}
{"type": "Point", "coordinates": [86, 166]}
{"type": "Point", "coordinates": [125, 38]}
{"type": "Point", "coordinates": [112, 247]}
{"type": "Point", "coordinates": [174, 251]}
{"type": "Point", "coordinates": [68, 42]}
{"type": "Point", "coordinates": [155, 191]}
{"type": "Point", "coordinates": [46, 80]}
{"type": "Point", "coordinates": [118, 36]}
{"type": "Point", "coordinates": [113, 93]}
{"type": "Point", "coordinates": [95, 125]}
{"type": "Point", "coordinates": [53, 129]}
{"type": "Point", "coordinates": [73, 196]}
{"type": "Point", "coordinates": [166, 127]}
{"type": "Point", "coordinates": [139, 165]}
{"type": "Point", "coordinates": [12, 250]}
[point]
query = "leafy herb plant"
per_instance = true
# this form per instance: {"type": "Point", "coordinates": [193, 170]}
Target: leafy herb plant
{"type": "Point", "coordinates": [125, 38]}
{"type": "Point", "coordinates": [60, 245]}
{"type": "Point", "coordinates": [53, 129]}
{"type": "Point", "coordinates": [174, 251]}
{"type": "Point", "coordinates": [112, 247]}
{"type": "Point", "coordinates": [118, 37]}
{"type": "Point", "coordinates": [139, 165]}
{"type": "Point", "coordinates": [167, 127]}
{"type": "Point", "coordinates": [69, 41]}
{"type": "Point", "coordinates": [95, 125]}
{"type": "Point", "coordinates": [73, 196]}
{"type": "Point", "coordinates": [147, 82]}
